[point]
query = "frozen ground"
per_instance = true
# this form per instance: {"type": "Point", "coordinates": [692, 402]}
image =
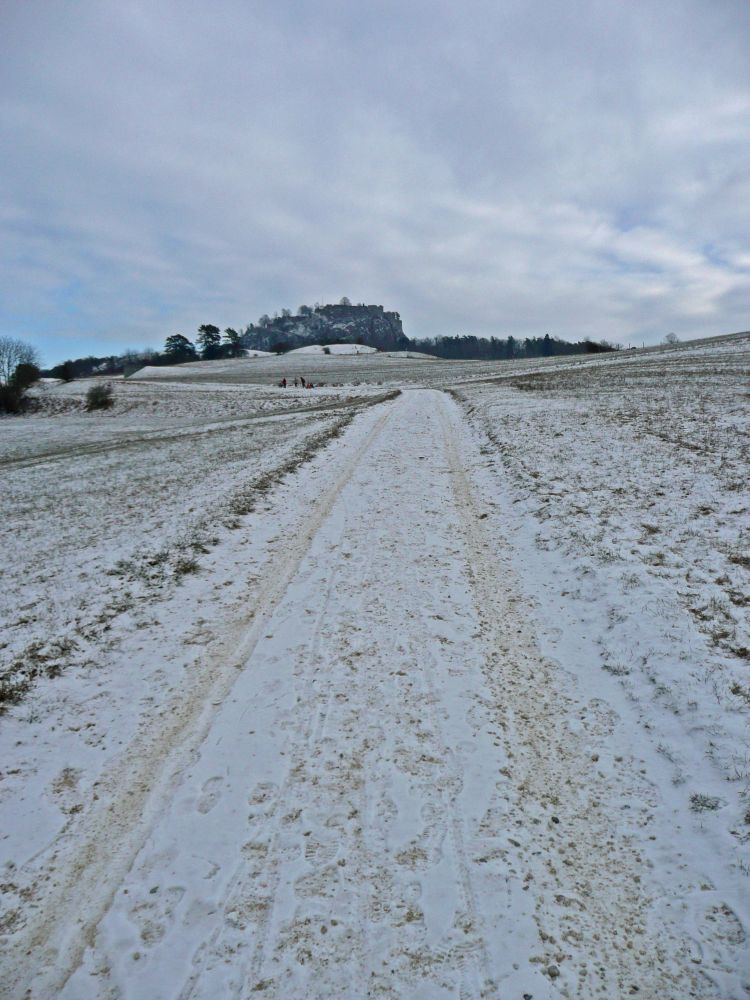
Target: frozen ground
{"type": "Point", "coordinates": [330, 693]}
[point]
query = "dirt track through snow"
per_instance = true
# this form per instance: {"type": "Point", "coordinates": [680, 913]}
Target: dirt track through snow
{"type": "Point", "coordinates": [388, 798]}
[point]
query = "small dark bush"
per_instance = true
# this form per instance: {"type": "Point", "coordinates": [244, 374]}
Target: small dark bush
{"type": "Point", "coordinates": [10, 399]}
{"type": "Point", "coordinates": [99, 397]}
{"type": "Point", "coordinates": [25, 376]}
{"type": "Point", "coordinates": [66, 371]}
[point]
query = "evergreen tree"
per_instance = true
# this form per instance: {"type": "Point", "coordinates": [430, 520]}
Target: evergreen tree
{"type": "Point", "coordinates": [209, 341]}
{"type": "Point", "coordinates": [64, 371]}
{"type": "Point", "coordinates": [178, 349]}
{"type": "Point", "coordinates": [232, 345]}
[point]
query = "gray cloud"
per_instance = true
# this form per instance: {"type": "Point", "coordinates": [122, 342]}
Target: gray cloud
{"type": "Point", "coordinates": [491, 168]}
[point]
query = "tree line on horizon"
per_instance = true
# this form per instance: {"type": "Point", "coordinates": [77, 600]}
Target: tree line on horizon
{"type": "Point", "coordinates": [468, 347]}
{"type": "Point", "coordinates": [178, 349]}
{"type": "Point", "coordinates": [211, 344]}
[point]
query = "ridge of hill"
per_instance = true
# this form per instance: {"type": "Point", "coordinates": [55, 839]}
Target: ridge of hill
{"type": "Point", "coordinates": [341, 323]}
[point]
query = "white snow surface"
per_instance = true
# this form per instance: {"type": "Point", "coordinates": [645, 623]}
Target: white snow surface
{"type": "Point", "coordinates": [411, 354]}
{"type": "Point", "coordinates": [336, 693]}
{"type": "Point", "coordinates": [343, 349]}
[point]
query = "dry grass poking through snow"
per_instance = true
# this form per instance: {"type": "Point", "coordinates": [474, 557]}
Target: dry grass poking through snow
{"type": "Point", "coordinates": [631, 480]}
{"type": "Point", "coordinates": [103, 512]}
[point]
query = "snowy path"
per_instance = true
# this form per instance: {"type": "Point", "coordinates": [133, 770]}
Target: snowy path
{"type": "Point", "coordinates": [393, 797]}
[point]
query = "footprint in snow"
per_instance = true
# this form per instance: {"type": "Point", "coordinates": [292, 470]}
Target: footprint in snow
{"type": "Point", "coordinates": [153, 915]}
{"type": "Point", "coordinates": [722, 922]}
{"type": "Point", "coordinates": [322, 883]}
{"type": "Point", "coordinates": [210, 795]}
{"type": "Point", "coordinates": [318, 852]}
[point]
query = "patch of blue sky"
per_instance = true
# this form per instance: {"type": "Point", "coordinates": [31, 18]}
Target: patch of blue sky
{"type": "Point", "coordinates": [714, 254]}
{"type": "Point", "coordinates": [627, 217]}
{"type": "Point", "coordinates": [619, 265]}
{"type": "Point", "coordinates": [66, 300]}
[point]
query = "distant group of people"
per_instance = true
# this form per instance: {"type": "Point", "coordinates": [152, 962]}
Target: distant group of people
{"type": "Point", "coordinates": [299, 383]}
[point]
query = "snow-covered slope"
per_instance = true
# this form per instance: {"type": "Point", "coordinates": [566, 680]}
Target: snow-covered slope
{"type": "Point", "coordinates": [339, 349]}
{"type": "Point", "coordinates": [194, 369]}
{"type": "Point", "coordinates": [416, 355]}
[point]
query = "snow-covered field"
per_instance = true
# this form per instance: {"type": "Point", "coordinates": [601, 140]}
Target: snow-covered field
{"type": "Point", "coordinates": [332, 349]}
{"type": "Point", "coordinates": [359, 367]}
{"type": "Point", "coordinates": [101, 510]}
{"type": "Point", "coordinates": [344, 692]}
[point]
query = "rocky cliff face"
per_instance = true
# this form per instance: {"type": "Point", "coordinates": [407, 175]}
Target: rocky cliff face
{"type": "Point", "coordinates": [370, 325]}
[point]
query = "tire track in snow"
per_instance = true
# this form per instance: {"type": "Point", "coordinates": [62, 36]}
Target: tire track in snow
{"type": "Point", "coordinates": [357, 879]}
{"type": "Point", "coordinates": [589, 881]}
{"type": "Point", "coordinates": [478, 975]}
{"type": "Point", "coordinates": [304, 792]}
{"type": "Point", "coordinates": [378, 862]}
{"type": "Point", "coordinates": [324, 780]}
{"type": "Point", "coordinates": [247, 877]}
{"type": "Point", "coordinates": [109, 836]}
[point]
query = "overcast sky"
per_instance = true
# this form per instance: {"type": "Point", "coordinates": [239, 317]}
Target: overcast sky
{"type": "Point", "coordinates": [577, 168]}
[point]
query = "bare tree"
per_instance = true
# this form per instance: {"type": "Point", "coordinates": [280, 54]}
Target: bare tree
{"type": "Point", "coordinates": [14, 352]}
{"type": "Point", "coordinates": [671, 338]}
